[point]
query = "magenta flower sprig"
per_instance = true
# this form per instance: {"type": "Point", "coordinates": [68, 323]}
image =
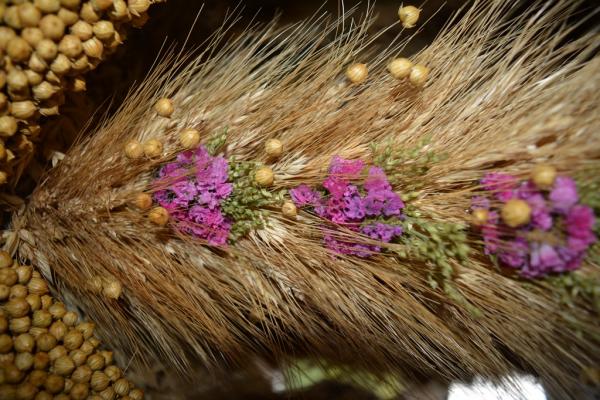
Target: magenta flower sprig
{"type": "Point", "coordinates": [372, 209]}
{"type": "Point", "coordinates": [536, 226]}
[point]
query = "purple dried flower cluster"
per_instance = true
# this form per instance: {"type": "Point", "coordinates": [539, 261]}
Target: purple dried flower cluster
{"type": "Point", "coordinates": [556, 238]}
{"type": "Point", "coordinates": [359, 209]}
{"type": "Point", "coordinates": [191, 189]}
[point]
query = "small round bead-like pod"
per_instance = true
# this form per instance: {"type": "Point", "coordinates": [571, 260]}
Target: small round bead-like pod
{"type": "Point", "coordinates": [17, 308]}
{"type": "Point", "coordinates": [58, 329]}
{"type": "Point", "coordinates": [264, 176]}
{"type": "Point", "coordinates": [57, 352]}
{"type": "Point", "coordinates": [479, 217]}
{"type": "Point", "coordinates": [418, 75]}
{"type": "Point", "coordinates": [153, 148]}
{"type": "Point", "coordinates": [37, 377]}
{"type": "Point", "coordinates": [52, 27]}
{"type": "Point", "coordinates": [24, 343]}
{"type": "Point", "coordinates": [515, 213]}
{"type": "Point", "coordinates": [48, 6]}
{"type": "Point", "coordinates": [274, 148]}
{"type": "Point", "coordinates": [104, 30]}
{"type": "Point", "coordinates": [289, 209]}
{"type": "Point", "coordinates": [70, 46]}
{"type": "Point", "coordinates": [121, 387]}
{"type": "Point", "coordinates": [164, 107]}
{"type": "Point", "coordinates": [8, 126]}
{"type": "Point", "coordinates": [23, 109]}
{"type": "Point", "coordinates": [46, 342]}
{"type": "Point", "coordinates": [88, 14]}
{"type": "Point", "coordinates": [101, 5]}
{"type": "Point", "coordinates": [95, 362]}
{"type": "Point", "coordinates": [6, 260]}
{"type": "Point", "coordinates": [543, 175]}
{"type": "Point", "coordinates": [46, 49]}
{"type": "Point", "coordinates": [64, 366]}
{"type": "Point", "coordinates": [82, 30]}
{"type": "Point", "coordinates": [19, 325]}
{"type": "Point", "coordinates": [17, 80]}
{"type": "Point", "coordinates": [29, 15]}
{"type": "Point", "coordinates": [138, 7]}
{"type": "Point", "coordinates": [134, 150]}
{"type": "Point", "coordinates": [409, 15]}
{"type": "Point", "coordinates": [67, 16]}
{"type": "Point", "coordinates": [32, 35]}
{"type": "Point", "coordinates": [159, 216]}
{"type": "Point", "coordinates": [357, 73]}
{"type": "Point", "coordinates": [143, 201]}
{"type": "Point", "coordinates": [54, 384]}
{"type": "Point", "coordinates": [18, 49]}
{"type": "Point", "coordinates": [37, 286]}
{"type": "Point", "coordinates": [400, 67]}
{"type": "Point", "coordinates": [189, 138]}
{"type": "Point", "coordinates": [73, 340]}
{"type": "Point", "coordinates": [79, 391]}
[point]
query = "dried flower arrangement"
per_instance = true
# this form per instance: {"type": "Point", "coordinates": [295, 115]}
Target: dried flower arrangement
{"type": "Point", "coordinates": [46, 47]}
{"type": "Point", "coordinates": [262, 203]}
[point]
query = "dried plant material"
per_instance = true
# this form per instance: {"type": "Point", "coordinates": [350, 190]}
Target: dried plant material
{"type": "Point", "coordinates": [502, 93]}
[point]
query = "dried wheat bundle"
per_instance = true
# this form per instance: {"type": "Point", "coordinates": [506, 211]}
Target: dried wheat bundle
{"type": "Point", "coordinates": [502, 89]}
{"type": "Point", "coordinates": [46, 47]}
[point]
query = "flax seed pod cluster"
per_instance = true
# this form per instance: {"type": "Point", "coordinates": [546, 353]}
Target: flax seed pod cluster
{"type": "Point", "coordinates": [46, 46]}
{"type": "Point", "coordinates": [45, 351]}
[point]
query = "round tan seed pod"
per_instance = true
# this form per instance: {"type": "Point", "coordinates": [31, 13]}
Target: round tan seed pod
{"type": "Point", "coordinates": [264, 176]}
{"type": "Point", "coordinates": [36, 331]}
{"type": "Point", "coordinates": [69, 318]}
{"type": "Point", "coordinates": [58, 329]}
{"type": "Point", "coordinates": [113, 372]}
{"type": "Point", "coordinates": [357, 73]}
{"type": "Point", "coordinates": [289, 210]}
{"type": "Point", "coordinates": [138, 7]}
{"type": "Point", "coordinates": [143, 201]}
{"type": "Point", "coordinates": [101, 5]}
{"type": "Point", "coordinates": [32, 36]}
{"type": "Point", "coordinates": [17, 308]}
{"type": "Point", "coordinates": [86, 329]}
{"type": "Point", "coordinates": [134, 150]}
{"type": "Point", "coordinates": [4, 292]}
{"type": "Point", "coordinates": [95, 362]}
{"type": "Point", "coordinates": [73, 340]}
{"type": "Point", "coordinates": [41, 360]}
{"type": "Point", "coordinates": [23, 109]}
{"type": "Point", "coordinates": [418, 75]}
{"type": "Point", "coordinates": [70, 46]}
{"type": "Point", "coordinates": [121, 387]}
{"type": "Point", "coordinates": [80, 391]}
{"type": "Point", "coordinates": [24, 343]}
{"type": "Point", "coordinates": [41, 318]}
{"type": "Point", "coordinates": [164, 107]}
{"type": "Point", "coordinates": [46, 342]}
{"type": "Point", "coordinates": [119, 10]}
{"type": "Point", "coordinates": [189, 138]}
{"type": "Point", "coordinates": [80, 65]}
{"type": "Point", "coordinates": [136, 394]}
{"type": "Point", "coordinates": [17, 80]}
{"type": "Point", "coordinates": [273, 148]}
{"type": "Point", "coordinates": [37, 64]}
{"type": "Point", "coordinates": [159, 216]}
{"type": "Point", "coordinates": [112, 289]}
{"type": "Point", "coordinates": [24, 361]}
{"type": "Point", "coordinates": [88, 14]}
{"type": "Point", "coordinates": [24, 273]}
{"type": "Point", "coordinates": [57, 310]}
{"type": "Point", "coordinates": [544, 175]}
{"type": "Point", "coordinates": [8, 126]}
{"type": "Point", "coordinates": [12, 374]}
{"type": "Point", "coordinates": [108, 357]}
{"type": "Point", "coordinates": [6, 343]}
{"type": "Point", "coordinates": [54, 383]}
{"type": "Point", "coordinates": [26, 391]}
{"type": "Point", "coordinates": [78, 85]}
{"type": "Point", "coordinates": [11, 17]}
{"type": "Point", "coordinates": [35, 302]}
{"type": "Point", "coordinates": [67, 16]}
{"type": "Point", "coordinates": [479, 217]}
{"type": "Point", "coordinates": [71, 4]}
{"type": "Point", "coordinates": [18, 49]}
{"type": "Point", "coordinates": [82, 374]}
{"type": "Point", "coordinates": [93, 48]}
{"type": "Point", "coordinates": [64, 366]}
{"type": "Point", "coordinates": [8, 277]}
{"type": "Point", "coordinates": [82, 30]}
{"type": "Point", "coordinates": [108, 394]}
{"type": "Point", "coordinates": [33, 77]}
{"type": "Point", "coordinates": [37, 377]}
{"type": "Point", "coordinates": [52, 26]}
{"type": "Point", "coordinates": [78, 356]}
{"type": "Point", "coordinates": [409, 15]}
{"type": "Point", "coordinates": [48, 6]}
{"type": "Point", "coordinates": [44, 91]}
{"type": "Point", "coordinates": [94, 341]}
{"type": "Point", "coordinates": [46, 299]}
{"type": "Point", "coordinates": [19, 325]}
{"type": "Point", "coordinates": [29, 15]}
{"type": "Point", "coordinates": [61, 65]}
{"type": "Point", "coordinates": [104, 30]}
{"type": "Point", "coordinates": [6, 34]}
{"type": "Point", "coordinates": [46, 49]}
{"type": "Point", "coordinates": [37, 286]}
{"type": "Point", "coordinates": [18, 291]}
{"type": "Point", "coordinates": [87, 347]}
{"type": "Point", "coordinates": [516, 212]}
{"type": "Point", "coordinates": [400, 67]}
{"type": "Point", "coordinates": [153, 148]}
{"type": "Point", "coordinates": [57, 352]}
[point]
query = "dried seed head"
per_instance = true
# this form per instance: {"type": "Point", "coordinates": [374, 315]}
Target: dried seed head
{"type": "Point", "coordinates": [289, 210]}
{"type": "Point", "coordinates": [19, 325]}
{"type": "Point", "coordinates": [138, 7]}
{"type": "Point", "coordinates": [70, 318]}
{"type": "Point", "coordinates": [46, 49]}
{"type": "Point", "coordinates": [54, 383]}
{"type": "Point", "coordinates": [143, 201]}
{"type": "Point", "coordinates": [18, 291]}
{"type": "Point", "coordinates": [23, 109]}
{"type": "Point", "coordinates": [108, 357]}
{"type": "Point", "coordinates": [104, 30]}
{"type": "Point", "coordinates": [516, 212]}
{"type": "Point", "coordinates": [108, 394]}
{"type": "Point", "coordinates": [46, 300]}
{"type": "Point", "coordinates": [264, 176]}
{"type": "Point", "coordinates": [8, 126]}
{"type": "Point", "coordinates": [88, 14]}
{"type": "Point", "coordinates": [71, 4]}
{"type": "Point", "coordinates": [33, 77]}
{"type": "Point", "coordinates": [48, 6]}
{"type": "Point", "coordinates": [93, 48]}
{"type": "Point", "coordinates": [400, 68]}
{"type": "Point", "coordinates": [12, 374]}
{"type": "Point", "coordinates": [134, 150]}
{"type": "Point", "coordinates": [153, 148]}
{"type": "Point", "coordinates": [164, 107]}
{"type": "Point", "coordinates": [6, 343]}
{"type": "Point", "coordinates": [41, 318]}
{"type": "Point", "coordinates": [189, 138]}
{"type": "Point", "coordinates": [24, 361]}
{"type": "Point", "coordinates": [120, 10]}
{"type": "Point", "coordinates": [16, 308]}
{"type": "Point", "coordinates": [29, 14]}
{"type": "Point", "coordinates": [8, 277]}
{"type": "Point", "coordinates": [73, 340]}
{"type": "Point", "coordinates": [101, 5]}
{"type": "Point", "coordinates": [11, 17]}
{"type": "Point", "coordinates": [274, 148]}
{"type": "Point", "coordinates": [37, 377]}
{"type": "Point", "coordinates": [78, 356]}
{"type": "Point", "coordinates": [79, 85]}
{"type": "Point", "coordinates": [543, 175]}
{"type": "Point", "coordinates": [17, 80]}
{"type": "Point", "coordinates": [82, 30]}
{"type": "Point", "coordinates": [32, 35]}
{"type": "Point", "coordinates": [64, 366]}
{"type": "Point", "coordinates": [158, 216]}
{"type": "Point", "coordinates": [479, 217]}
{"type": "Point", "coordinates": [99, 381]}
{"type": "Point", "coordinates": [46, 342]}
{"type": "Point", "coordinates": [18, 49]}
{"type": "Point", "coordinates": [6, 34]}
{"type": "Point", "coordinates": [409, 15]}
{"type": "Point", "coordinates": [37, 286]}
{"type": "Point", "coordinates": [136, 394]}
{"type": "Point", "coordinates": [113, 372]}
{"type": "Point", "coordinates": [357, 73]}
{"type": "Point", "coordinates": [418, 75]}
{"type": "Point", "coordinates": [44, 91]}
{"type": "Point", "coordinates": [95, 362]}
{"type": "Point", "coordinates": [121, 387]}
{"type": "Point", "coordinates": [35, 302]}
{"type": "Point", "coordinates": [70, 46]}
{"type": "Point", "coordinates": [82, 374]}
{"type": "Point", "coordinates": [61, 65]}
{"type": "Point", "coordinates": [36, 63]}
{"type": "Point", "coordinates": [86, 329]}
{"type": "Point", "coordinates": [57, 310]}
{"type": "Point", "coordinates": [58, 329]}
{"type": "Point", "coordinates": [53, 27]}
{"type": "Point", "coordinates": [24, 343]}
{"type": "Point", "coordinates": [79, 391]}
{"type": "Point", "coordinates": [57, 352]}
{"type": "Point", "coordinates": [24, 273]}
{"type": "Point", "coordinates": [112, 289]}
{"type": "Point", "coordinates": [87, 347]}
